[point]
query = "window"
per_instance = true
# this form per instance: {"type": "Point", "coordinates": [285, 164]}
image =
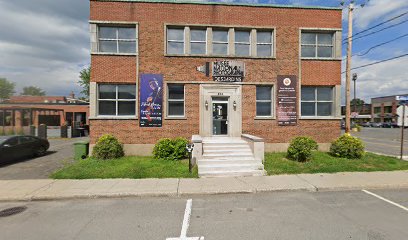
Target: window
{"type": "Point", "coordinates": [377, 110]}
{"type": "Point", "coordinates": [175, 40]}
{"type": "Point", "coordinates": [220, 42]}
{"type": "Point", "coordinates": [264, 44]}
{"type": "Point", "coordinates": [117, 100]}
{"type": "Point", "coordinates": [175, 100]}
{"type": "Point", "coordinates": [117, 39]}
{"type": "Point", "coordinates": [317, 101]}
{"type": "Point", "coordinates": [242, 43]}
{"type": "Point", "coordinates": [388, 109]}
{"type": "Point", "coordinates": [264, 101]}
{"type": "Point", "coordinates": [317, 45]}
{"type": "Point", "coordinates": [198, 41]}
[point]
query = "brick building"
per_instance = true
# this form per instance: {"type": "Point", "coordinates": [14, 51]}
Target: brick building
{"type": "Point", "coordinates": [219, 69]}
{"type": "Point", "coordinates": [384, 109]}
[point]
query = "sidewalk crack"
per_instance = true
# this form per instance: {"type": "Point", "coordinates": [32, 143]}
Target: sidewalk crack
{"type": "Point", "coordinates": [316, 188]}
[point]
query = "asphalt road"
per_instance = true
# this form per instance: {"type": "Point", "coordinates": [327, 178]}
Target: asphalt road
{"type": "Point", "coordinates": [59, 153]}
{"type": "Point", "coordinates": [278, 215]}
{"type": "Point", "coordinates": [383, 140]}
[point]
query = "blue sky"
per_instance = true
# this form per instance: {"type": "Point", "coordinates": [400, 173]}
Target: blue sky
{"type": "Point", "coordinates": [46, 43]}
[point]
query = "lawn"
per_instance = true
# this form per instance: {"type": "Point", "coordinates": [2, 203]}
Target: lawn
{"type": "Point", "coordinates": [125, 167]}
{"type": "Point", "coordinates": [277, 163]}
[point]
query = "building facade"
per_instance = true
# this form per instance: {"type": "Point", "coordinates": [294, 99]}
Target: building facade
{"type": "Point", "coordinates": [167, 69]}
{"type": "Point", "coordinates": [384, 109]}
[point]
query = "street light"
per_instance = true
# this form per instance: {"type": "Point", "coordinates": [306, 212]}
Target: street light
{"type": "Point", "coordinates": [355, 100]}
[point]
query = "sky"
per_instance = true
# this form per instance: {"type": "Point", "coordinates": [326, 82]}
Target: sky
{"type": "Point", "coordinates": [45, 43]}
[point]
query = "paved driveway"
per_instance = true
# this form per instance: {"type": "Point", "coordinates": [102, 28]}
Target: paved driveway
{"type": "Point", "coordinates": [59, 153]}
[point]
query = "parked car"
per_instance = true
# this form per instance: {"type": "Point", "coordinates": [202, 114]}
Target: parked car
{"type": "Point", "coordinates": [365, 124]}
{"type": "Point", "coordinates": [19, 147]}
{"type": "Point", "coordinates": [376, 124]}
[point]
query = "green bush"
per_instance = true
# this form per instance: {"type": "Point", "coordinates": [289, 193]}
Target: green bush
{"type": "Point", "coordinates": [108, 147]}
{"type": "Point", "coordinates": [10, 132]}
{"type": "Point", "coordinates": [347, 146]}
{"type": "Point", "coordinates": [300, 149]}
{"type": "Point", "coordinates": [170, 149]}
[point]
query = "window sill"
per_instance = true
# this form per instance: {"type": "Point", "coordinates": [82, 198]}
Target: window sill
{"type": "Point", "coordinates": [113, 118]}
{"type": "Point", "coordinates": [320, 118]}
{"type": "Point", "coordinates": [216, 56]}
{"type": "Point", "coordinates": [264, 118]}
{"type": "Point", "coordinates": [114, 54]}
{"type": "Point", "coordinates": [175, 118]}
{"type": "Point", "coordinates": [321, 59]}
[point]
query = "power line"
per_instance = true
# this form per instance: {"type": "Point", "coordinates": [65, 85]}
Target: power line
{"type": "Point", "coordinates": [378, 62]}
{"type": "Point", "coordinates": [379, 45]}
{"type": "Point", "coordinates": [377, 25]}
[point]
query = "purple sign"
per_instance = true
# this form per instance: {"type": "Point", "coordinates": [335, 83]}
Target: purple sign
{"type": "Point", "coordinates": [151, 96]}
{"type": "Point", "coordinates": [287, 95]}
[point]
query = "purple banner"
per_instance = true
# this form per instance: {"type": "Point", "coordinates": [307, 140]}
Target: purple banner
{"type": "Point", "coordinates": [287, 96]}
{"type": "Point", "coordinates": [151, 97]}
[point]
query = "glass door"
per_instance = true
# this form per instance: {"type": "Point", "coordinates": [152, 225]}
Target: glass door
{"type": "Point", "coordinates": [220, 116]}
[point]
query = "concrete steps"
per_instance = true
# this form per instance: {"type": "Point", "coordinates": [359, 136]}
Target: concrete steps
{"type": "Point", "coordinates": [228, 157]}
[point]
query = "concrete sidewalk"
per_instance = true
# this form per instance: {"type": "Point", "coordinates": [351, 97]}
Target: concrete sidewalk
{"type": "Point", "coordinates": [27, 190]}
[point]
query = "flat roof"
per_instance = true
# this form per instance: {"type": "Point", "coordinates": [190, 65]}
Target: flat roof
{"type": "Point", "coordinates": [225, 4]}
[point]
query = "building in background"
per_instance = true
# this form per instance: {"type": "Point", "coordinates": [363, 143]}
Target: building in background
{"type": "Point", "coordinates": [360, 115]}
{"type": "Point", "coordinates": [384, 109]}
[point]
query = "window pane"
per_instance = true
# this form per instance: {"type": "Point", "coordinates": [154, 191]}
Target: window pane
{"type": "Point", "coordinates": [12, 141]}
{"type": "Point", "coordinates": [126, 108]}
{"type": "Point", "coordinates": [107, 92]}
{"type": "Point", "coordinates": [198, 48]}
{"type": "Point", "coordinates": [126, 92]}
{"type": "Point", "coordinates": [107, 108]}
{"type": "Point", "coordinates": [323, 38]}
{"type": "Point", "coordinates": [264, 50]}
{"type": "Point", "coordinates": [176, 91]}
{"type": "Point", "coordinates": [263, 93]}
{"type": "Point", "coordinates": [107, 46]}
{"type": "Point", "coordinates": [308, 51]}
{"type": "Point", "coordinates": [308, 94]}
{"type": "Point", "coordinates": [127, 47]}
{"type": "Point", "coordinates": [242, 36]}
{"type": "Point", "coordinates": [220, 48]}
{"type": "Point", "coordinates": [198, 35]}
{"type": "Point", "coordinates": [324, 51]}
{"type": "Point", "coordinates": [107, 32]}
{"type": "Point", "coordinates": [308, 109]}
{"type": "Point", "coordinates": [308, 38]}
{"type": "Point", "coordinates": [175, 48]}
{"type": "Point", "coordinates": [176, 109]}
{"type": "Point", "coordinates": [324, 94]}
{"type": "Point", "coordinates": [242, 49]}
{"type": "Point", "coordinates": [127, 33]}
{"type": "Point", "coordinates": [324, 109]}
{"type": "Point", "coordinates": [220, 35]}
{"type": "Point", "coordinates": [175, 34]}
{"type": "Point", "coordinates": [263, 109]}
{"type": "Point", "coordinates": [264, 37]}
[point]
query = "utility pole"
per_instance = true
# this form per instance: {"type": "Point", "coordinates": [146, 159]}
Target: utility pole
{"type": "Point", "coordinates": [348, 64]}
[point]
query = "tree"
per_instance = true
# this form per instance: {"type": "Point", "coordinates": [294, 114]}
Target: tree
{"type": "Point", "coordinates": [33, 91]}
{"type": "Point", "coordinates": [6, 89]}
{"type": "Point", "coordinates": [84, 79]}
{"type": "Point", "coordinates": [358, 101]}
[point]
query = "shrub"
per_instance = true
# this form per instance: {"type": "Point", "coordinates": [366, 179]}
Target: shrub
{"type": "Point", "coordinates": [300, 149]}
{"type": "Point", "coordinates": [170, 149]}
{"type": "Point", "coordinates": [347, 146]}
{"type": "Point", "coordinates": [10, 131]}
{"type": "Point", "coordinates": [108, 147]}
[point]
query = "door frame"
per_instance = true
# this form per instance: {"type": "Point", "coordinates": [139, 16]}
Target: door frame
{"type": "Point", "coordinates": [212, 114]}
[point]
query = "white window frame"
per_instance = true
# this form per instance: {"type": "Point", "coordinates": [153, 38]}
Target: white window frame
{"type": "Point", "coordinates": [316, 45]}
{"type": "Point", "coordinates": [221, 42]}
{"type": "Point", "coordinates": [117, 39]}
{"type": "Point", "coordinates": [116, 100]}
{"type": "Point", "coordinates": [262, 43]}
{"type": "Point", "coordinates": [261, 101]}
{"type": "Point", "coordinates": [243, 43]}
{"type": "Point", "coordinates": [176, 41]}
{"type": "Point", "coordinates": [315, 101]}
{"type": "Point", "coordinates": [195, 41]}
{"type": "Point", "coordinates": [176, 100]}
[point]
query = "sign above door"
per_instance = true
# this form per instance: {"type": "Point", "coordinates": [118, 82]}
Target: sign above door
{"type": "Point", "coordinates": [228, 71]}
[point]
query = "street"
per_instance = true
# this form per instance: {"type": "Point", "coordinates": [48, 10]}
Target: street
{"type": "Point", "coordinates": [276, 215]}
{"type": "Point", "coordinates": [383, 140]}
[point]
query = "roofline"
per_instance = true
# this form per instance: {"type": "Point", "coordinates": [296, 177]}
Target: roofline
{"type": "Point", "coordinates": [224, 4]}
{"type": "Point", "coordinates": [391, 96]}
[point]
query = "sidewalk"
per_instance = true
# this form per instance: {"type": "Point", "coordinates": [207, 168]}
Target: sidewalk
{"type": "Point", "coordinates": [28, 190]}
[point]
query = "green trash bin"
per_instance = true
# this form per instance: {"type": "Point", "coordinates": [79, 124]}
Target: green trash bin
{"type": "Point", "coordinates": [81, 150]}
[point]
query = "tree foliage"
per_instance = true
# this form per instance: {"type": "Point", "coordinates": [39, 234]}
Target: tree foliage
{"type": "Point", "coordinates": [33, 91]}
{"type": "Point", "coordinates": [84, 79]}
{"type": "Point", "coordinates": [6, 89]}
{"type": "Point", "coordinates": [358, 101]}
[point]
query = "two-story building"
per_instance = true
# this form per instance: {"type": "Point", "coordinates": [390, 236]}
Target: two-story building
{"type": "Point", "coordinates": [171, 68]}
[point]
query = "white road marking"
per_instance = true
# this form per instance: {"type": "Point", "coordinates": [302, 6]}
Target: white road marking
{"type": "Point", "coordinates": [386, 200]}
{"type": "Point", "coordinates": [186, 224]}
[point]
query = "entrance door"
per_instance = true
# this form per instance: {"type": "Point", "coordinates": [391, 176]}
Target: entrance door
{"type": "Point", "coordinates": [219, 116]}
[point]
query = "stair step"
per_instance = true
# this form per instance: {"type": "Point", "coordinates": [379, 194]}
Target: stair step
{"type": "Point", "coordinates": [227, 161]}
{"type": "Point", "coordinates": [229, 167]}
{"type": "Point", "coordinates": [228, 152]}
{"type": "Point", "coordinates": [226, 146]}
{"type": "Point", "coordinates": [243, 173]}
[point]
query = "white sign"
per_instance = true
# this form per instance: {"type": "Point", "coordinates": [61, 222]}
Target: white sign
{"type": "Point", "coordinates": [402, 98]}
{"type": "Point", "coordinates": [400, 113]}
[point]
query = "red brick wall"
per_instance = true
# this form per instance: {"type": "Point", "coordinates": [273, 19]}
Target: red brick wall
{"type": "Point", "coordinates": [153, 16]}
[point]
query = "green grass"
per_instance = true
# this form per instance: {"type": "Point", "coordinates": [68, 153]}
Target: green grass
{"type": "Point", "coordinates": [125, 167]}
{"type": "Point", "coordinates": [277, 163]}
